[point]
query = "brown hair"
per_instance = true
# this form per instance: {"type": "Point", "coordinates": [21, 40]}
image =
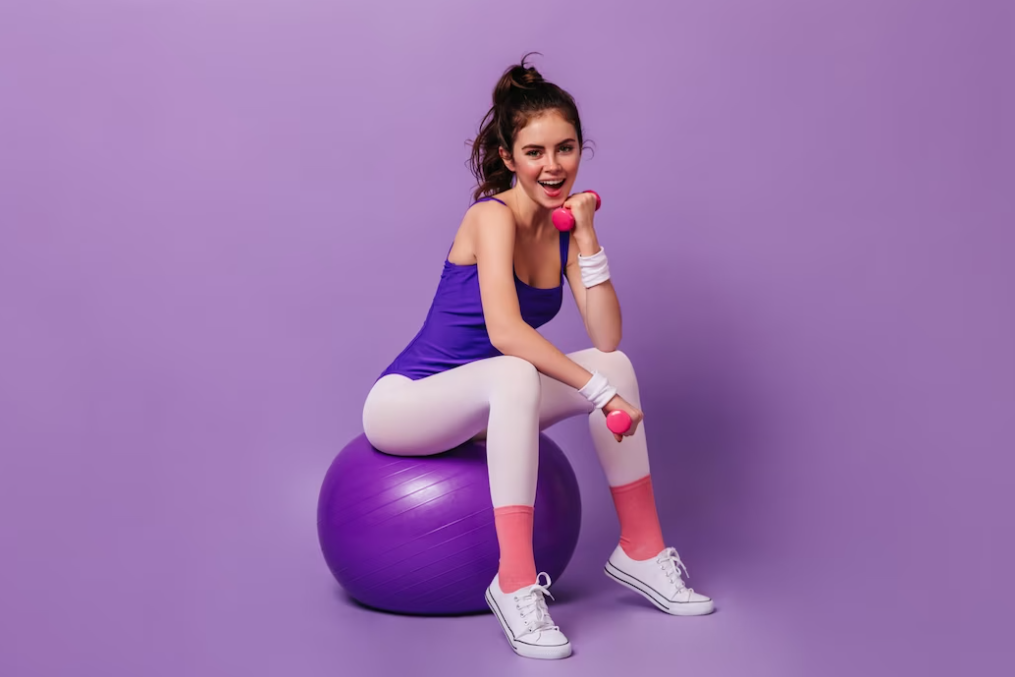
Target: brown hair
{"type": "Point", "coordinates": [520, 94]}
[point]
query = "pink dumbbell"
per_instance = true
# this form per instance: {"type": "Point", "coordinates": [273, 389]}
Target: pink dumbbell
{"type": "Point", "coordinates": [618, 421]}
{"type": "Point", "coordinates": [564, 219]}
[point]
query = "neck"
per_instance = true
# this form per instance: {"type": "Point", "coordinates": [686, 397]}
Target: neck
{"type": "Point", "coordinates": [530, 216]}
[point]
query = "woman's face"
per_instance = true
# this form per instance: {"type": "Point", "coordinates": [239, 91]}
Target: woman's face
{"type": "Point", "coordinates": [545, 159]}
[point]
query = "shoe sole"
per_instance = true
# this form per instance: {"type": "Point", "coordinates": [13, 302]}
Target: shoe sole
{"type": "Point", "coordinates": [674, 609]}
{"type": "Point", "coordinates": [527, 650]}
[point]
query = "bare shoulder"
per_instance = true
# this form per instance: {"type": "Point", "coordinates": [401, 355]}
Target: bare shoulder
{"type": "Point", "coordinates": [491, 212]}
{"type": "Point", "coordinates": [483, 224]}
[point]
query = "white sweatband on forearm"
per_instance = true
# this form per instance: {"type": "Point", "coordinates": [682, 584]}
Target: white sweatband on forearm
{"type": "Point", "coordinates": [598, 390]}
{"type": "Point", "coordinates": [595, 269]}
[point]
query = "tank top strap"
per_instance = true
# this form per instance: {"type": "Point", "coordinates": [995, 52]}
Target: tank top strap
{"type": "Point", "coordinates": [565, 240]}
{"type": "Point", "coordinates": [484, 199]}
{"type": "Point", "coordinates": [565, 237]}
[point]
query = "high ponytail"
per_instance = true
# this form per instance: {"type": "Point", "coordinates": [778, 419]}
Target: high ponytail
{"type": "Point", "coordinates": [519, 95]}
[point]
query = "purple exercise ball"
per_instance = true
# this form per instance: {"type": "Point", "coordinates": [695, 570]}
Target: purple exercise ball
{"type": "Point", "coordinates": [415, 534]}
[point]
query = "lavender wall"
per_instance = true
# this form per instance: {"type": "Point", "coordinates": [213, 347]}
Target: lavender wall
{"type": "Point", "coordinates": [220, 220]}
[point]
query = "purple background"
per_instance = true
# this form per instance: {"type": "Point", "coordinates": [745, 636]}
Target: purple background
{"type": "Point", "coordinates": [220, 220]}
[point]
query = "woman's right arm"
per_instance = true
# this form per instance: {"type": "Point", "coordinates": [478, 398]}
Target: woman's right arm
{"type": "Point", "coordinates": [494, 242]}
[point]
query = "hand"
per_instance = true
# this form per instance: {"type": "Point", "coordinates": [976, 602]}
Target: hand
{"type": "Point", "coordinates": [583, 208]}
{"type": "Point", "coordinates": [619, 403]}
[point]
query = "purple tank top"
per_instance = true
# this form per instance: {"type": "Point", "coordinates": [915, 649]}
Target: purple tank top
{"type": "Point", "coordinates": [454, 331]}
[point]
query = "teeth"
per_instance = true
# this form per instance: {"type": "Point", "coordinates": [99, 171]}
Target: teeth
{"type": "Point", "coordinates": [553, 184]}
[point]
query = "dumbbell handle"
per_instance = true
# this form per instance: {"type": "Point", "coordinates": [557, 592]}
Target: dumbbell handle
{"type": "Point", "coordinates": [564, 220]}
{"type": "Point", "coordinates": [618, 421]}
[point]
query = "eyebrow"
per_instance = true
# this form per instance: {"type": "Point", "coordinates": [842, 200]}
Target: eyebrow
{"type": "Point", "coordinates": [533, 145]}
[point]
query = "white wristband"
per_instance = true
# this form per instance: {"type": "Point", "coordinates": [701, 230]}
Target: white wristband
{"type": "Point", "coordinates": [598, 390]}
{"type": "Point", "coordinates": [595, 269]}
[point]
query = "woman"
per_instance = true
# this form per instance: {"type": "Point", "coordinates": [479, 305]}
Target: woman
{"type": "Point", "coordinates": [479, 368]}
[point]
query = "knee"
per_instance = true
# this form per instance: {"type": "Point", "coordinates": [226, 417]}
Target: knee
{"type": "Point", "coordinates": [372, 428]}
{"type": "Point", "coordinates": [614, 364]}
{"type": "Point", "coordinates": [517, 380]}
{"type": "Point", "coordinates": [379, 412]}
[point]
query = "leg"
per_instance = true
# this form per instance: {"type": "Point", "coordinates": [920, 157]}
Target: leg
{"type": "Point", "coordinates": [500, 396]}
{"type": "Point", "coordinates": [622, 463]}
{"type": "Point", "coordinates": [433, 414]}
{"type": "Point", "coordinates": [641, 561]}
{"type": "Point", "coordinates": [428, 416]}
{"type": "Point", "coordinates": [625, 464]}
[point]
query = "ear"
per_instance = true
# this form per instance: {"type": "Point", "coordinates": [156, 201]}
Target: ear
{"type": "Point", "coordinates": [506, 158]}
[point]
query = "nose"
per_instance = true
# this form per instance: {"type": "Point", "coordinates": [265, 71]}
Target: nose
{"type": "Point", "coordinates": [552, 163]}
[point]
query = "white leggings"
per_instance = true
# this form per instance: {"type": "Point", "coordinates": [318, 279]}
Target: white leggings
{"type": "Point", "coordinates": [508, 401]}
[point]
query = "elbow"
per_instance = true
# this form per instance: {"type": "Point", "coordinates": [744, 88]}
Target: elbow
{"type": "Point", "coordinates": [607, 343]}
{"type": "Point", "coordinates": [504, 339]}
{"type": "Point", "coordinates": [606, 346]}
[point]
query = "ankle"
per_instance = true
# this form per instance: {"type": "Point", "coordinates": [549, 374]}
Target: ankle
{"type": "Point", "coordinates": [641, 536]}
{"type": "Point", "coordinates": [509, 584]}
{"type": "Point", "coordinates": [514, 534]}
{"type": "Point", "coordinates": [641, 551]}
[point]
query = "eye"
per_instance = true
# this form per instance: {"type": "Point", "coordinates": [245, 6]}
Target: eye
{"type": "Point", "coordinates": [532, 153]}
{"type": "Point", "coordinates": [566, 148]}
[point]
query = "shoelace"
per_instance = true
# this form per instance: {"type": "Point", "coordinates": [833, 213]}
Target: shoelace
{"type": "Point", "coordinates": [671, 563]}
{"type": "Point", "coordinates": [530, 602]}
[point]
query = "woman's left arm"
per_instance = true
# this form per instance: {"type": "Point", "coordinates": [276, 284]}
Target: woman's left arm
{"type": "Point", "coordinates": [598, 304]}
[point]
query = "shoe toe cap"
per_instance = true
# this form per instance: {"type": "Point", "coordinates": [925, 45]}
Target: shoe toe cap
{"type": "Point", "coordinates": [697, 597]}
{"type": "Point", "coordinates": [548, 637]}
{"type": "Point", "coordinates": [690, 597]}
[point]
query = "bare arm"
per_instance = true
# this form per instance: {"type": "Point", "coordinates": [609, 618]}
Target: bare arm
{"type": "Point", "coordinates": [599, 306]}
{"type": "Point", "coordinates": [494, 247]}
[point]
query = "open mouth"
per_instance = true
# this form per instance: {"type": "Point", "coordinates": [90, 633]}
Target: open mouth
{"type": "Point", "coordinates": [552, 188]}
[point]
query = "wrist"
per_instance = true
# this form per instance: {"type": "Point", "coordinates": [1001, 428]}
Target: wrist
{"type": "Point", "coordinates": [598, 390]}
{"type": "Point", "coordinates": [595, 268]}
{"type": "Point", "coordinates": [612, 403]}
{"type": "Point", "coordinates": [588, 243]}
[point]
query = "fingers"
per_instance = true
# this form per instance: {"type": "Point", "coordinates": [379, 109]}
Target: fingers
{"type": "Point", "coordinates": [583, 198]}
{"type": "Point", "coordinates": [636, 417]}
{"type": "Point", "coordinates": [635, 422]}
{"type": "Point", "coordinates": [628, 433]}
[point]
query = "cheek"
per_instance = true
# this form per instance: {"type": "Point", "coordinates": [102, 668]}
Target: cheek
{"type": "Point", "coordinates": [530, 170]}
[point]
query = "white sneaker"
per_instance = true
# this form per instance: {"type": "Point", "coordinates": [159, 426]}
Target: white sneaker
{"type": "Point", "coordinates": [526, 621]}
{"type": "Point", "coordinates": [659, 580]}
